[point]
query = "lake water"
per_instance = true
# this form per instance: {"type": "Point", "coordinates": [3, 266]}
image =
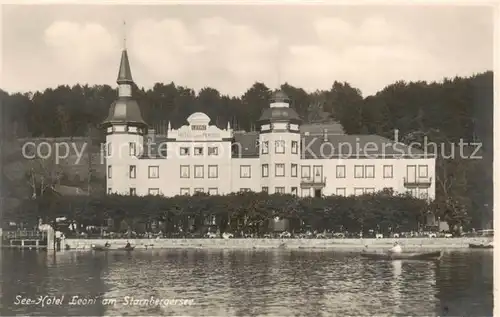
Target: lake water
{"type": "Point", "coordinates": [245, 283]}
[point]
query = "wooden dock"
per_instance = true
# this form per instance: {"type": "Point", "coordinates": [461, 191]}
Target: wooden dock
{"type": "Point", "coordinates": [23, 239]}
{"type": "Point", "coordinates": [30, 244]}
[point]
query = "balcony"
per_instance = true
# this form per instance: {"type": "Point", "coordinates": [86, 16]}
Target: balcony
{"type": "Point", "coordinates": [420, 182]}
{"type": "Point", "coordinates": [310, 182]}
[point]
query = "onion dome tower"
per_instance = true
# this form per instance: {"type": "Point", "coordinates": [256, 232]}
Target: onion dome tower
{"type": "Point", "coordinates": [279, 142]}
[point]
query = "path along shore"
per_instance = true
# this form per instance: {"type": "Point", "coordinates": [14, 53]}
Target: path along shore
{"type": "Point", "coordinates": [339, 244]}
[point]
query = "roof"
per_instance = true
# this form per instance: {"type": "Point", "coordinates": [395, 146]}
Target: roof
{"type": "Point", "coordinates": [279, 114]}
{"type": "Point", "coordinates": [319, 128]}
{"type": "Point", "coordinates": [124, 110]}
{"type": "Point", "coordinates": [247, 144]}
{"type": "Point", "coordinates": [314, 146]}
{"type": "Point", "coordinates": [355, 146]}
{"type": "Point", "coordinates": [124, 73]}
{"type": "Point", "coordinates": [344, 146]}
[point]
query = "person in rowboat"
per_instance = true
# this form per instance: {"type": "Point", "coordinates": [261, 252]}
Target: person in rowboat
{"type": "Point", "coordinates": [396, 248]}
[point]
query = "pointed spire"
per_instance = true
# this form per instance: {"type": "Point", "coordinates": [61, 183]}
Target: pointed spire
{"type": "Point", "coordinates": [169, 126]}
{"type": "Point", "coordinates": [124, 73]}
{"type": "Point", "coordinates": [228, 126]}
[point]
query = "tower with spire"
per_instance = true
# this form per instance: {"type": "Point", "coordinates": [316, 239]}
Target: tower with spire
{"type": "Point", "coordinates": [125, 130]}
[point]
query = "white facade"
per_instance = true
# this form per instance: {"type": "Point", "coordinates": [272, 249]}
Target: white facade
{"type": "Point", "coordinates": [199, 157]}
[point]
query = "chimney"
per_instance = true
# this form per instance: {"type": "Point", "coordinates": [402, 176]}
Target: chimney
{"type": "Point", "coordinates": [325, 135]}
{"type": "Point", "coordinates": [396, 135]}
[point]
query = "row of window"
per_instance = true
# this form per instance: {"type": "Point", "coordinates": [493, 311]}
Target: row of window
{"type": "Point", "coordinates": [198, 151]}
{"type": "Point", "coordinates": [360, 171]}
{"type": "Point", "coordinates": [280, 147]}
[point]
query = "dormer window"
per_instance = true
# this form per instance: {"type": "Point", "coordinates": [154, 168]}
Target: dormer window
{"type": "Point", "coordinates": [184, 151]}
{"type": "Point", "coordinates": [198, 151]}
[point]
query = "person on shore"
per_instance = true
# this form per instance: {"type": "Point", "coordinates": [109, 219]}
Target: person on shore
{"type": "Point", "coordinates": [107, 245]}
{"type": "Point", "coordinates": [396, 248]}
{"type": "Point", "coordinates": [128, 245]}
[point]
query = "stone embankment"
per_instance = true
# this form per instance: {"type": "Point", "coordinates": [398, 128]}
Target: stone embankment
{"type": "Point", "coordinates": [339, 244]}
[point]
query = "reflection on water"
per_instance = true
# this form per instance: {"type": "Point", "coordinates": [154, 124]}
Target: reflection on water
{"type": "Point", "coordinates": [249, 283]}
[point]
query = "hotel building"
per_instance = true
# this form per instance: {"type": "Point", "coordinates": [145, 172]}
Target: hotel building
{"type": "Point", "coordinates": [283, 156]}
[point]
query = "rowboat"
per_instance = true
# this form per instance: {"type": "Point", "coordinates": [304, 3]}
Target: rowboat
{"type": "Point", "coordinates": [404, 256]}
{"type": "Point", "coordinates": [480, 246]}
{"type": "Point", "coordinates": [107, 248]}
{"type": "Point", "coordinates": [100, 248]}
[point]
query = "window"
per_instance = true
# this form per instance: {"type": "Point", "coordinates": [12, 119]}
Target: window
{"type": "Point", "coordinates": [132, 149]}
{"type": "Point", "coordinates": [265, 170]}
{"type": "Point", "coordinates": [198, 190]}
{"type": "Point", "coordinates": [184, 171]}
{"type": "Point", "coordinates": [198, 171]}
{"type": "Point", "coordinates": [153, 191]}
{"type": "Point", "coordinates": [184, 191]}
{"type": "Point", "coordinates": [369, 190]}
{"type": "Point", "coordinates": [198, 151]}
{"type": "Point", "coordinates": [109, 149]}
{"type": "Point", "coordinates": [340, 192]}
{"type": "Point", "coordinates": [295, 147]}
{"type": "Point", "coordinates": [131, 171]}
{"type": "Point", "coordinates": [265, 147]}
{"type": "Point", "coordinates": [294, 191]}
{"type": "Point", "coordinates": [184, 151]}
{"type": "Point", "coordinates": [153, 172]}
{"type": "Point", "coordinates": [358, 171]}
{"type": "Point", "coordinates": [245, 171]}
{"type": "Point", "coordinates": [340, 171]}
{"type": "Point", "coordinates": [279, 146]}
{"type": "Point", "coordinates": [213, 151]}
{"type": "Point", "coordinates": [265, 189]}
{"type": "Point", "coordinates": [306, 171]}
{"type": "Point", "coordinates": [387, 171]}
{"type": "Point", "coordinates": [213, 171]}
{"type": "Point", "coordinates": [294, 170]}
{"type": "Point", "coordinates": [132, 191]}
{"type": "Point", "coordinates": [279, 190]}
{"type": "Point", "coordinates": [370, 171]}
{"type": "Point", "coordinates": [109, 171]}
{"type": "Point", "coordinates": [422, 171]}
{"type": "Point", "coordinates": [244, 190]}
{"type": "Point", "coordinates": [358, 191]}
{"type": "Point", "coordinates": [109, 191]}
{"type": "Point", "coordinates": [279, 170]}
{"type": "Point", "coordinates": [213, 191]}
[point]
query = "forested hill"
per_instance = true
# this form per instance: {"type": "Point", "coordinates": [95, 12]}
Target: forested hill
{"type": "Point", "coordinates": [459, 108]}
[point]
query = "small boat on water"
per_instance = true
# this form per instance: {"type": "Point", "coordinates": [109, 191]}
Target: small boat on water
{"type": "Point", "coordinates": [404, 256]}
{"type": "Point", "coordinates": [107, 248]}
{"type": "Point", "coordinates": [100, 248]}
{"type": "Point", "coordinates": [480, 246]}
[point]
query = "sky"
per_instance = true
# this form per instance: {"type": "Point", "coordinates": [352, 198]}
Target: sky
{"type": "Point", "coordinates": [231, 47]}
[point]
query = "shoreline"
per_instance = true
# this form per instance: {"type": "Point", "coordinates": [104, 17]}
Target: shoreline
{"type": "Point", "coordinates": [302, 244]}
